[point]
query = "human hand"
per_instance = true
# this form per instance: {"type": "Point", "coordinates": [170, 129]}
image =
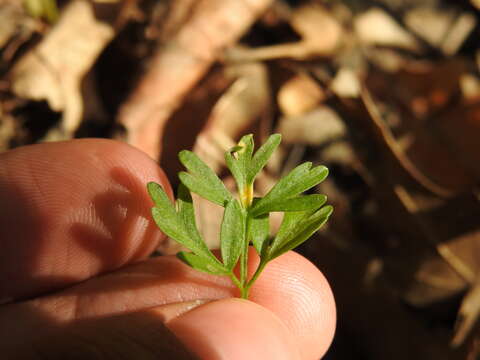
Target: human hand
{"type": "Point", "coordinates": [76, 280]}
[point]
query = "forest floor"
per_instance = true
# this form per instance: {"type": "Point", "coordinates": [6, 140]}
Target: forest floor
{"type": "Point", "coordinates": [386, 93]}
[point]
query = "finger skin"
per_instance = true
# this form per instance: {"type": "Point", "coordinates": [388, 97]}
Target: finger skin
{"type": "Point", "coordinates": [227, 329]}
{"type": "Point", "coordinates": [71, 210]}
{"type": "Point", "coordinates": [291, 287]}
{"type": "Point", "coordinates": [235, 329]}
{"type": "Point", "coordinates": [140, 335]}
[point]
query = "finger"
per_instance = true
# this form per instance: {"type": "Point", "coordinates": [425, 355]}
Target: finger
{"type": "Point", "coordinates": [290, 287]}
{"type": "Point", "coordinates": [72, 210]}
{"type": "Point", "coordinates": [235, 329]}
{"type": "Point", "coordinates": [226, 329]}
{"type": "Point", "coordinates": [294, 289]}
{"type": "Point", "coordinates": [140, 335]}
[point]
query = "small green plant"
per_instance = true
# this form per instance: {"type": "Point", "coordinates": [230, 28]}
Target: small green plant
{"type": "Point", "coordinates": [246, 219]}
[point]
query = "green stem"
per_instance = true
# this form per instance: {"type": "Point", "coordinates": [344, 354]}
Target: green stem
{"type": "Point", "coordinates": [244, 290]}
{"type": "Point", "coordinates": [240, 286]}
{"type": "Point", "coordinates": [244, 293]}
{"type": "Point", "coordinates": [236, 282]}
{"type": "Point", "coordinates": [244, 256]}
{"type": "Point", "coordinates": [255, 276]}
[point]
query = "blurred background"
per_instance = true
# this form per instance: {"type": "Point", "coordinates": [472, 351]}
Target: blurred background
{"type": "Point", "coordinates": [386, 93]}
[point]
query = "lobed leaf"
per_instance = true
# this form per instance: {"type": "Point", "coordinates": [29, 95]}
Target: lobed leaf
{"type": "Point", "coordinates": [165, 215]}
{"type": "Point", "coordinates": [238, 160]}
{"type": "Point", "coordinates": [235, 168]}
{"type": "Point", "coordinates": [201, 179]}
{"type": "Point", "coordinates": [261, 156]}
{"type": "Point", "coordinates": [179, 226]}
{"type": "Point", "coordinates": [187, 216]}
{"type": "Point", "coordinates": [297, 229]}
{"type": "Point", "coordinates": [259, 232]}
{"type": "Point", "coordinates": [301, 203]}
{"type": "Point", "coordinates": [232, 234]}
{"type": "Point", "coordinates": [203, 264]}
{"type": "Point", "coordinates": [300, 179]}
{"type": "Point", "coordinates": [244, 154]}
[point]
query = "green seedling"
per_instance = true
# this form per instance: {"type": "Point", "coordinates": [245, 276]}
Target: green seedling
{"type": "Point", "coordinates": [245, 219]}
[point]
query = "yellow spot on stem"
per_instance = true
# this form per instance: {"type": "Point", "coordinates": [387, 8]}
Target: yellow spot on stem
{"type": "Point", "coordinates": [246, 196]}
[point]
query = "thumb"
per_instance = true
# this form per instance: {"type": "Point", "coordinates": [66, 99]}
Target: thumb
{"type": "Point", "coordinates": [225, 329]}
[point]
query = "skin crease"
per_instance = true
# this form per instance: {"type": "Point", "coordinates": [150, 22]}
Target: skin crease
{"type": "Point", "coordinates": [76, 234]}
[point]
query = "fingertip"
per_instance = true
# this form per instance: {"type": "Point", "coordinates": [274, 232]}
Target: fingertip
{"type": "Point", "coordinates": [73, 210]}
{"type": "Point", "coordinates": [234, 329]}
{"type": "Point", "coordinates": [295, 290]}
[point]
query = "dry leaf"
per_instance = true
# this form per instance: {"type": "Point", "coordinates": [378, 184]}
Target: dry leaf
{"type": "Point", "coordinates": [468, 314]}
{"type": "Point", "coordinates": [11, 15]}
{"type": "Point", "coordinates": [180, 63]}
{"type": "Point", "coordinates": [55, 68]}
{"type": "Point", "coordinates": [314, 128]}
{"type": "Point", "coordinates": [309, 21]}
{"type": "Point", "coordinates": [299, 95]}
{"type": "Point", "coordinates": [376, 27]}
{"type": "Point", "coordinates": [346, 84]}
{"type": "Point", "coordinates": [441, 28]}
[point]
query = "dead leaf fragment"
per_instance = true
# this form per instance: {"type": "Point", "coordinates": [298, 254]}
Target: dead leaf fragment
{"type": "Point", "coordinates": [470, 86]}
{"type": "Point", "coordinates": [309, 21]}
{"type": "Point", "coordinates": [180, 63]}
{"type": "Point", "coordinates": [461, 29]}
{"type": "Point", "coordinates": [234, 113]}
{"type": "Point", "coordinates": [442, 28]}
{"type": "Point", "coordinates": [468, 314]}
{"type": "Point", "coordinates": [376, 27]}
{"type": "Point", "coordinates": [54, 69]}
{"type": "Point", "coordinates": [314, 128]}
{"type": "Point", "coordinates": [346, 84]}
{"type": "Point", "coordinates": [430, 23]}
{"type": "Point", "coordinates": [10, 18]}
{"type": "Point", "coordinates": [299, 95]}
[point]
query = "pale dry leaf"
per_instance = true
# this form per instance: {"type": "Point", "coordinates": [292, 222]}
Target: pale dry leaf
{"type": "Point", "coordinates": [429, 23]}
{"type": "Point", "coordinates": [321, 35]}
{"type": "Point", "coordinates": [468, 314]}
{"type": "Point", "coordinates": [441, 28]}
{"type": "Point", "coordinates": [470, 86]}
{"type": "Point", "coordinates": [346, 84]}
{"type": "Point", "coordinates": [11, 16]}
{"type": "Point", "coordinates": [459, 32]}
{"type": "Point", "coordinates": [299, 95]}
{"type": "Point", "coordinates": [235, 112]}
{"type": "Point", "coordinates": [376, 27]}
{"type": "Point", "coordinates": [313, 128]}
{"type": "Point", "coordinates": [54, 69]}
{"type": "Point", "coordinates": [321, 32]}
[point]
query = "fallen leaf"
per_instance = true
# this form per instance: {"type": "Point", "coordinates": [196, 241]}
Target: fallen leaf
{"type": "Point", "coordinates": [55, 68]}
{"type": "Point", "coordinates": [180, 63]}
{"type": "Point", "coordinates": [376, 27]}
{"type": "Point", "coordinates": [299, 95]}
